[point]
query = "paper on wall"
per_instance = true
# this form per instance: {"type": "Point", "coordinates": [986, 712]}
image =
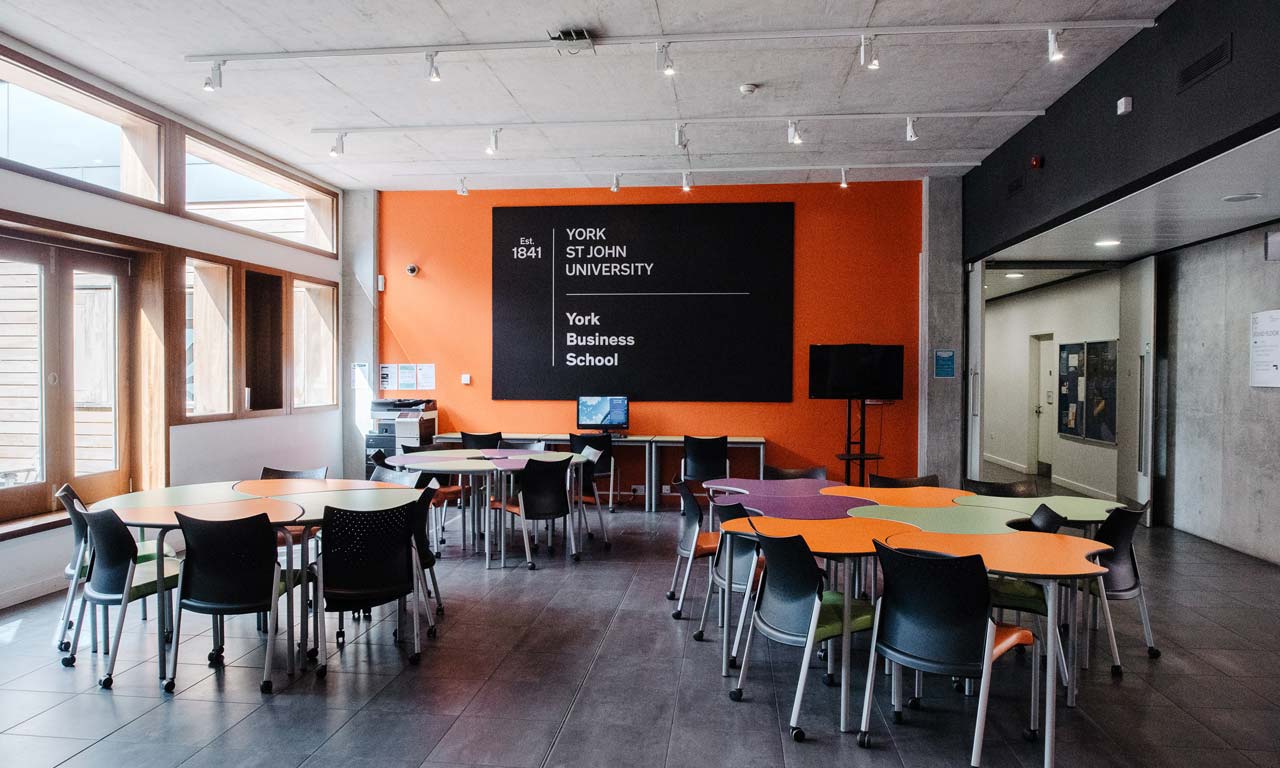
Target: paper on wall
{"type": "Point", "coordinates": [1073, 360]}
{"type": "Point", "coordinates": [386, 377]}
{"type": "Point", "coordinates": [426, 376]}
{"type": "Point", "coordinates": [359, 373]}
{"type": "Point", "coordinates": [408, 376]}
{"type": "Point", "coordinates": [1080, 389]}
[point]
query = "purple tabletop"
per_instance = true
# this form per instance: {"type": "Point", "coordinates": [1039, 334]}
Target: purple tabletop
{"type": "Point", "coordinates": [796, 487]}
{"type": "Point", "coordinates": [507, 453]}
{"type": "Point", "coordinates": [815, 507]}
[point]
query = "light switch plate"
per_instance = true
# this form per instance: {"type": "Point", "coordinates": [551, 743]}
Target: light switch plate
{"type": "Point", "coordinates": [466, 378]}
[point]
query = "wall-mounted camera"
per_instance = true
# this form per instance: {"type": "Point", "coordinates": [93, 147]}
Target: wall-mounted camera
{"type": "Point", "coordinates": [411, 270]}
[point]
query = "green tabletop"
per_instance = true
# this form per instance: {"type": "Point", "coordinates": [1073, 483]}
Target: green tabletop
{"type": "Point", "coordinates": [944, 519]}
{"type": "Point", "coordinates": [177, 496]}
{"type": "Point", "coordinates": [365, 499]}
{"type": "Point", "coordinates": [1076, 509]}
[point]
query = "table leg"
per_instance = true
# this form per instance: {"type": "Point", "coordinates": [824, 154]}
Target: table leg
{"type": "Point", "coordinates": [726, 596]}
{"type": "Point", "coordinates": [845, 651]}
{"type": "Point", "coordinates": [651, 491]}
{"type": "Point", "coordinates": [488, 518]}
{"type": "Point", "coordinates": [1051, 674]}
{"type": "Point", "coordinates": [304, 557]}
{"type": "Point", "coordinates": [502, 520]}
{"type": "Point", "coordinates": [162, 596]}
{"type": "Point", "coordinates": [289, 584]}
{"type": "Point", "coordinates": [1073, 633]}
{"type": "Point", "coordinates": [762, 461]}
{"type": "Point", "coordinates": [648, 476]}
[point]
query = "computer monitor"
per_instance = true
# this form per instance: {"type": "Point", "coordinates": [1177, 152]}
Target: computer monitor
{"type": "Point", "coordinates": [603, 412]}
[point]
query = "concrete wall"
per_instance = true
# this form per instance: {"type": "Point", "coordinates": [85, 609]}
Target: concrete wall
{"type": "Point", "coordinates": [359, 307]}
{"type": "Point", "coordinates": [1222, 459]}
{"type": "Point", "coordinates": [942, 287]}
{"type": "Point", "coordinates": [1085, 309]}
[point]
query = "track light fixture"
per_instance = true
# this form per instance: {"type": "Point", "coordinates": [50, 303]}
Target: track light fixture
{"type": "Point", "coordinates": [793, 133]}
{"type": "Point", "coordinates": [911, 129]}
{"type": "Point", "coordinates": [492, 149]}
{"type": "Point", "coordinates": [867, 55]}
{"type": "Point", "coordinates": [682, 141]}
{"type": "Point", "coordinates": [462, 186]}
{"type": "Point", "coordinates": [214, 81]}
{"type": "Point", "coordinates": [844, 179]}
{"type": "Point", "coordinates": [664, 60]}
{"type": "Point", "coordinates": [686, 181]}
{"type": "Point", "coordinates": [614, 186]}
{"type": "Point", "coordinates": [1055, 53]}
{"type": "Point", "coordinates": [339, 145]}
{"type": "Point", "coordinates": [433, 72]}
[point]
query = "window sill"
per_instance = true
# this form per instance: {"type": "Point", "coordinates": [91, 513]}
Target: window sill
{"type": "Point", "coordinates": [28, 526]}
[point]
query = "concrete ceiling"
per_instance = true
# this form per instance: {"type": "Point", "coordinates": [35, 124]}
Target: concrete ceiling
{"type": "Point", "coordinates": [273, 106]}
{"type": "Point", "coordinates": [996, 284]}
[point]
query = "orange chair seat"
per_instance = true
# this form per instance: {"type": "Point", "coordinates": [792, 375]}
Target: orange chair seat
{"type": "Point", "coordinates": [447, 493]}
{"type": "Point", "coordinates": [1009, 637]}
{"type": "Point", "coordinates": [708, 542]}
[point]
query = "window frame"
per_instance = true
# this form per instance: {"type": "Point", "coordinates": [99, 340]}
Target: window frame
{"type": "Point", "coordinates": [291, 360]}
{"type": "Point", "coordinates": [232, 293]}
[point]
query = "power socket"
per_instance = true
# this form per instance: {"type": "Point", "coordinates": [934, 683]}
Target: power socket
{"type": "Point", "coordinates": [637, 490]}
{"type": "Point", "coordinates": [666, 489]}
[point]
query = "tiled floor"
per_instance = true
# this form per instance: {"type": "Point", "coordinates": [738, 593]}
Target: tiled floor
{"type": "Point", "coordinates": [582, 665]}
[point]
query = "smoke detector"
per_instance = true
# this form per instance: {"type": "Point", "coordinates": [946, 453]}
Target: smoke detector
{"type": "Point", "coordinates": [746, 89]}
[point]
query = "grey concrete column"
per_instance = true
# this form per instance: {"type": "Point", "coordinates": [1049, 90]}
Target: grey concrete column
{"type": "Point", "coordinates": [359, 301]}
{"type": "Point", "coordinates": [942, 289]}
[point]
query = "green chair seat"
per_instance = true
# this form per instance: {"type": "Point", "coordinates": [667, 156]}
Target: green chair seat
{"type": "Point", "coordinates": [1018, 595]}
{"type": "Point", "coordinates": [861, 616]}
{"type": "Point", "coordinates": [144, 578]}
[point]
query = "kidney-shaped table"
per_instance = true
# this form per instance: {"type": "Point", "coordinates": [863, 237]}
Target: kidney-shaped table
{"type": "Point", "coordinates": [920, 496]}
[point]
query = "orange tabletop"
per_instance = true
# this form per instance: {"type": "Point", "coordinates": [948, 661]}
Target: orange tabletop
{"type": "Point", "coordinates": [1023, 553]}
{"type": "Point", "coordinates": [279, 512]}
{"type": "Point", "coordinates": [845, 537]}
{"type": "Point", "coordinates": [900, 497]}
{"type": "Point", "coordinates": [281, 487]}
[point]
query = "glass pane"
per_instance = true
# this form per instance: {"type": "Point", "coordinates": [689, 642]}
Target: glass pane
{"type": "Point", "coordinates": [50, 126]}
{"type": "Point", "coordinates": [208, 288]}
{"type": "Point", "coordinates": [228, 188]}
{"type": "Point", "coordinates": [314, 343]}
{"type": "Point", "coordinates": [95, 351]}
{"type": "Point", "coordinates": [21, 417]}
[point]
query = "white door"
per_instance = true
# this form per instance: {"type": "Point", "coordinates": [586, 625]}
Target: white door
{"type": "Point", "coordinates": [1047, 402]}
{"type": "Point", "coordinates": [974, 360]}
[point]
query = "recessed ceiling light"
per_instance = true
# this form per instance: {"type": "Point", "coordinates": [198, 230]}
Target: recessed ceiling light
{"type": "Point", "coordinates": [1014, 275]}
{"type": "Point", "coordinates": [1242, 197]}
{"type": "Point", "coordinates": [1107, 243]}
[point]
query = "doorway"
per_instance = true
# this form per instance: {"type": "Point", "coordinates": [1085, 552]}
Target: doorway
{"type": "Point", "coordinates": [1042, 434]}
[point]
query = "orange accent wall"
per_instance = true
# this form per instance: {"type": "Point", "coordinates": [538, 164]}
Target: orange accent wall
{"type": "Point", "coordinates": [856, 280]}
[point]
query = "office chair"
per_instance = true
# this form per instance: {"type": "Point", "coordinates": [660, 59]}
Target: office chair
{"type": "Point", "coordinates": [693, 543]}
{"type": "Point", "coordinates": [803, 473]}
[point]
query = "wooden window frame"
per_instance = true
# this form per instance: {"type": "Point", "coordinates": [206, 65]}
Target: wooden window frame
{"type": "Point", "coordinates": [337, 345]}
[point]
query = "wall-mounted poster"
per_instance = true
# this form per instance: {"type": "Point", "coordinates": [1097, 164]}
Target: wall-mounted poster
{"type": "Point", "coordinates": [1071, 361]}
{"type": "Point", "coordinates": [1100, 391]}
{"type": "Point", "coordinates": [1264, 349]}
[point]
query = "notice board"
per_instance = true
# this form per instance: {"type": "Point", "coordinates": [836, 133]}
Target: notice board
{"type": "Point", "coordinates": [1087, 390]}
{"type": "Point", "coordinates": [657, 302]}
{"type": "Point", "coordinates": [1071, 390]}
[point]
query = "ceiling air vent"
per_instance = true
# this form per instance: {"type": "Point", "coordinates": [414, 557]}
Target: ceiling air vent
{"type": "Point", "coordinates": [1206, 65]}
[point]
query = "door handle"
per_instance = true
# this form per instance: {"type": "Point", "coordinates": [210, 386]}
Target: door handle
{"type": "Point", "coordinates": [1039, 410]}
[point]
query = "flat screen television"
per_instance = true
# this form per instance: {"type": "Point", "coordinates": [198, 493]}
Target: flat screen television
{"type": "Point", "coordinates": [855, 371]}
{"type": "Point", "coordinates": [604, 412]}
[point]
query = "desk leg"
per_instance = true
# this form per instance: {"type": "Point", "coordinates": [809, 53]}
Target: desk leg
{"type": "Point", "coordinates": [651, 468]}
{"type": "Point", "coordinates": [845, 650]}
{"type": "Point", "coordinates": [162, 597]}
{"type": "Point", "coordinates": [502, 520]}
{"type": "Point", "coordinates": [762, 461]}
{"type": "Point", "coordinates": [289, 584]}
{"type": "Point", "coordinates": [727, 596]}
{"type": "Point", "coordinates": [1051, 673]}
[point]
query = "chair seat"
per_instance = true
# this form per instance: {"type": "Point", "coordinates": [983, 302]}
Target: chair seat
{"type": "Point", "coordinates": [1018, 595]}
{"type": "Point", "coordinates": [707, 544]}
{"type": "Point", "coordinates": [1009, 637]}
{"type": "Point", "coordinates": [862, 615]}
{"type": "Point", "coordinates": [447, 493]}
{"type": "Point", "coordinates": [144, 581]}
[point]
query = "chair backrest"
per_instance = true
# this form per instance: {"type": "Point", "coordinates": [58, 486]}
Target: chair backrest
{"type": "Point", "coordinates": [801, 473]}
{"type": "Point", "coordinates": [114, 550]}
{"type": "Point", "coordinates": [704, 457]}
{"type": "Point", "coordinates": [691, 518]}
{"type": "Point", "coordinates": [883, 481]}
{"type": "Point", "coordinates": [602, 443]}
{"type": "Point", "coordinates": [441, 479]}
{"type": "Point", "coordinates": [791, 584]}
{"type": "Point", "coordinates": [421, 508]}
{"type": "Point", "coordinates": [934, 611]}
{"type": "Point", "coordinates": [70, 501]}
{"type": "Point", "coordinates": [1117, 531]}
{"type": "Point", "coordinates": [1019, 489]}
{"type": "Point", "coordinates": [476, 441]}
{"type": "Point", "coordinates": [744, 549]}
{"type": "Point", "coordinates": [367, 554]}
{"type": "Point", "coordinates": [228, 564]}
{"type": "Point", "coordinates": [379, 458]}
{"type": "Point", "coordinates": [544, 489]}
{"type": "Point", "coordinates": [271, 473]}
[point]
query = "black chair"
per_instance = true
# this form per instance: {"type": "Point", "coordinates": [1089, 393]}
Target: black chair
{"type": "Point", "coordinates": [230, 568]}
{"type": "Point", "coordinates": [368, 559]}
{"type": "Point", "coordinates": [793, 609]}
{"type": "Point", "coordinates": [1122, 580]}
{"type": "Point", "coordinates": [745, 564]}
{"type": "Point", "coordinates": [115, 578]}
{"type": "Point", "coordinates": [477, 441]}
{"type": "Point", "coordinates": [544, 495]}
{"type": "Point", "coordinates": [379, 459]}
{"type": "Point", "coordinates": [603, 466]}
{"type": "Point", "coordinates": [692, 544]}
{"type": "Point", "coordinates": [449, 489]}
{"type": "Point", "coordinates": [934, 616]}
{"type": "Point", "coordinates": [1019, 489]}
{"type": "Point", "coordinates": [271, 473]}
{"type": "Point", "coordinates": [803, 473]}
{"type": "Point", "coordinates": [923, 481]}
{"type": "Point", "coordinates": [421, 528]}
{"type": "Point", "coordinates": [705, 458]}
{"type": "Point", "coordinates": [528, 445]}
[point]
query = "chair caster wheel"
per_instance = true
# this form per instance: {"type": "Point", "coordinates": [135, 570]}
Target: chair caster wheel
{"type": "Point", "coordinates": [797, 734]}
{"type": "Point", "coordinates": [415, 658]}
{"type": "Point", "coordinates": [822, 654]}
{"type": "Point", "coordinates": [534, 548]}
{"type": "Point", "coordinates": [265, 687]}
{"type": "Point", "coordinates": [591, 536]}
{"type": "Point", "coordinates": [864, 739]}
{"type": "Point", "coordinates": [169, 686]}
{"type": "Point", "coordinates": [431, 631]}
{"type": "Point", "coordinates": [551, 551]}
{"type": "Point", "coordinates": [913, 703]}
{"type": "Point", "coordinates": [576, 557]}
{"type": "Point", "coordinates": [439, 610]}
{"type": "Point", "coordinates": [671, 595]}
{"type": "Point", "coordinates": [1117, 670]}
{"type": "Point", "coordinates": [69, 661]}
{"type": "Point", "coordinates": [313, 654]}
{"type": "Point", "coordinates": [106, 682]}
{"type": "Point", "coordinates": [355, 615]}
{"type": "Point", "coordinates": [395, 635]}
{"type": "Point", "coordinates": [735, 694]}
{"type": "Point", "coordinates": [321, 671]}
{"type": "Point", "coordinates": [733, 662]}
{"type": "Point", "coordinates": [1153, 653]}
{"type": "Point", "coordinates": [676, 614]}
{"type": "Point", "coordinates": [533, 566]}
{"type": "Point", "coordinates": [957, 685]}
{"type": "Point", "coordinates": [1030, 735]}
{"type": "Point", "coordinates": [897, 716]}
{"type": "Point", "coordinates": [64, 646]}
{"type": "Point", "coordinates": [608, 546]}
{"type": "Point", "coordinates": [368, 614]}
{"type": "Point", "coordinates": [168, 635]}
{"type": "Point", "coordinates": [698, 636]}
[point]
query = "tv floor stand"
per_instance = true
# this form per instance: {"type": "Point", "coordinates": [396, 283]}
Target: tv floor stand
{"type": "Point", "coordinates": [850, 455]}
